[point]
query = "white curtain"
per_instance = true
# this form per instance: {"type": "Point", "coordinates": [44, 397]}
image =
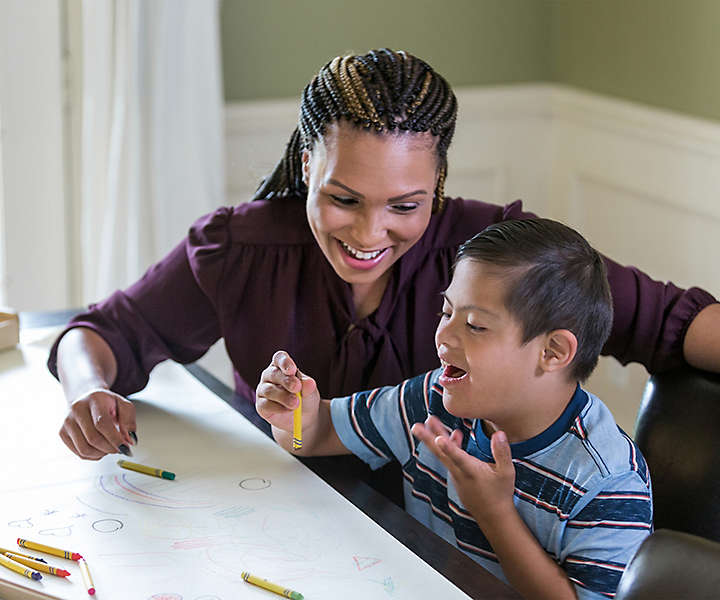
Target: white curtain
{"type": "Point", "coordinates": [152, 149]}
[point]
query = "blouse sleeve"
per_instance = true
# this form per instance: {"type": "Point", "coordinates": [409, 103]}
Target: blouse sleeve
{"type": "Point", "coordinates": [170, 313]}
{"type": "Point", "coordinates": [651, 317]}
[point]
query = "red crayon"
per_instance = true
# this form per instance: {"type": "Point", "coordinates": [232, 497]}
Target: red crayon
{"type": "Point", "coordinates": [37, 565]}
{"type": "Point", "coordinates": [49, 549]}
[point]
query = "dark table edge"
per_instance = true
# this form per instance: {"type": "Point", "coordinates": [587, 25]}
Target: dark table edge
{"type": "Point", "coordinates": [444, 557]}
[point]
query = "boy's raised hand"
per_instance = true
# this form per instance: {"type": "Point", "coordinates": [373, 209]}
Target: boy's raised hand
{"type": "Point", "coordinates": [276, 394]}
{"type": "Point", "coordinates": [485, 489]}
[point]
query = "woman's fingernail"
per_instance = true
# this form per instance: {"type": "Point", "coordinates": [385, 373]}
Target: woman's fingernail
{"type": "Point", "coordinates": [125, 450]}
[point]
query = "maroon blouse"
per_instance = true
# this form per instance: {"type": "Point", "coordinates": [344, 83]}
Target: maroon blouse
{"type": "Point", "coordinates": [254, 275]}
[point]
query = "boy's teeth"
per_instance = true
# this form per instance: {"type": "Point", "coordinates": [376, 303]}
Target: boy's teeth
{"type": "Point", "coordinates": [358, 254]}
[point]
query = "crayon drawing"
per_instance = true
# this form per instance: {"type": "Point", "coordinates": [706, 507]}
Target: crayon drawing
{"type": "Point", "coordinates": [238, 503]}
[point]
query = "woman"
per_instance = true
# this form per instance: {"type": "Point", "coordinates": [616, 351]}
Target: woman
{"type": "Point", "coordinates": [340, 261]}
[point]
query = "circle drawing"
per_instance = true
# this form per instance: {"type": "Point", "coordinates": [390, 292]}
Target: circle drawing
{"type": "Point", "coordinates": [255, 483]}
{"type": "Point", "coordinates": [107, 525]}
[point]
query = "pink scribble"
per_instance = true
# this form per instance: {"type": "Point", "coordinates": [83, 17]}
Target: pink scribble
{"type": "Point", "coordinates": [365, 562]}
{"type": "Point", "coordinates": [206, 542]}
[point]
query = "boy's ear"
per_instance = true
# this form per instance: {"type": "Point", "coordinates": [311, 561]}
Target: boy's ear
{"type": "Point", "coordinates": [559, 351]}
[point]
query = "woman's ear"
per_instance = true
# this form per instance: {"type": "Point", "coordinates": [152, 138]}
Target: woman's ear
{"type": "Point", "coordinates": [559, 350]}
{"type": "Point", "coordinates": [305, 166]}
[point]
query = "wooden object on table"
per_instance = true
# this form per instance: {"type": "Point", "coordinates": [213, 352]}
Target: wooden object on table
{"type": "Point", "coordinates": [9, 329]}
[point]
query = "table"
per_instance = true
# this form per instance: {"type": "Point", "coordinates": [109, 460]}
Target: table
{"type": "Point", "coordinates": [443, 557]}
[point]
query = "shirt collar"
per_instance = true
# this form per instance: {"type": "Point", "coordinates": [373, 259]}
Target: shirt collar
{"type": "Point", "coordinates": [554, 432]}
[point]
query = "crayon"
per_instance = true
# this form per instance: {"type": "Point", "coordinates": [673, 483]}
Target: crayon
{"type": "Point", "coordinates": [272, 587]}
{"type": "Point", "coordinates": [87, 579]}
{"type": "Point", "coordinates": [18, 568]}
{"type": "Point", "coordinates": [49, 549]}
{"type": "Point", "coordinates": [297, 423]}
{"type": "Point", "coordinates": [37, 558]}
{"type": "Point", "coordinates": [126, 464]}
{"type": "Point", "coordinates": [37, 565]}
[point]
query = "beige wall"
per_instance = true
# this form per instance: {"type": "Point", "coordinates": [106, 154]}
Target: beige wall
{"type": "Point", "coordinates": [663, 53]}
{"type": "Point", "coordinates": [272, 48]}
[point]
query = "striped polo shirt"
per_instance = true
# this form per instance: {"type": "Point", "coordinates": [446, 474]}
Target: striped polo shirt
{"type": "Point", "coordinates": [581, 486]}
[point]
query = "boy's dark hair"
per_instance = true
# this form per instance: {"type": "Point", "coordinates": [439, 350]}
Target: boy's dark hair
{"type": "Point", "coordinates": [556, 280]}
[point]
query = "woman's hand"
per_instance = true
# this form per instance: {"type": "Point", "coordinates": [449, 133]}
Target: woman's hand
{"type": "Point", "coordinates": [99, 422]}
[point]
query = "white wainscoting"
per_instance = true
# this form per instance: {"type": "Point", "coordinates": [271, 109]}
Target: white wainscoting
{"type": "Point", "coordinates": [640, 183]}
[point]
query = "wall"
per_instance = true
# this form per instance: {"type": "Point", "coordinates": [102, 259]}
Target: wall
{"type": "Point", "coordinates": [272, 48]}
{"type": "Point", "coordinates": [663, 53]}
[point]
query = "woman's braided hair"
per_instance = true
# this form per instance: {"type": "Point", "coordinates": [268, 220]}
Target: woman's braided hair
{"type": "Point", "coordinates": [383, 90]}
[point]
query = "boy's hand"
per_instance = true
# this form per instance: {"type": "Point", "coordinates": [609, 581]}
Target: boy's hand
{"type": "Point", "coordinates": [485, 489]}
{"type": "Point", "coordinates": [276, 394]}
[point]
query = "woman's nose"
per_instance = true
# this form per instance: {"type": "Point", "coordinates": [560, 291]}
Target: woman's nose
{"type": "Point", "coordinates": [370, 230]}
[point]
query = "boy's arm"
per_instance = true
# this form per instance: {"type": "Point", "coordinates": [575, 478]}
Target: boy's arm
{"type": "Point", "coordinates": [486, 490]}
{"type": "Point", "coordinates": [276, 399]}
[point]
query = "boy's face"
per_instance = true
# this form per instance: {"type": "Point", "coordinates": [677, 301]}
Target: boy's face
{"type": "Point", "coordinates": [488, 372]}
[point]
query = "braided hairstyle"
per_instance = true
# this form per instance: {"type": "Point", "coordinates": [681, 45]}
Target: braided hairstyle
{"type": "Point", "coordinates": [384, 91]}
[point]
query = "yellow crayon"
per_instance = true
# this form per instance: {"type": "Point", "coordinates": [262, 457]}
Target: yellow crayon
{"type": "Point", "coordinates": [49, 549]}
{"type": "Point", "coordinates": [37, 565]}
{"type": "Point", "coordinates": [297, 423]}
{"type": "Point", "coordinates": [272, 587]}
{"type": "Point", "coordinates": [87, 579]}
{"type": "Point", "coordinates": [126, 464]}
{"type": "Point", "coordinates": [18, 568]}
{"type": "Point", "coordinates": [6, 550]}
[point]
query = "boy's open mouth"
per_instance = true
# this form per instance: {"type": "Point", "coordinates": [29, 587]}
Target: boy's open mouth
{"type": "Point", "coordinates": [453, 372]}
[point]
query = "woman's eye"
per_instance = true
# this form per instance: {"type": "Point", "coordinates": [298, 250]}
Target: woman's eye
{"type": "Point", "coordinates": [443, 315]}
{"type": "Point", "coordinates": [344, 200]}
{"type": "Point", "coordinates": [476, 327]}
{"type": "Point", "coordinates": [404, 208]}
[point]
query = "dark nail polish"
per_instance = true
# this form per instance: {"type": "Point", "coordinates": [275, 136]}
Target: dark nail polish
{"type": "Point", "coordinates": [133, 435]}
{"type": "Point", "coordinates": [125, 450]}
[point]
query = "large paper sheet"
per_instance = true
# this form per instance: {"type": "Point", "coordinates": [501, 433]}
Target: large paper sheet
{"type": "Point", "coordinates": [239, 503]}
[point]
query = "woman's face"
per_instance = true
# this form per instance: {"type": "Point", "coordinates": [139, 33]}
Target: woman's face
{"type": "Point", "coordinates": [369, 197]}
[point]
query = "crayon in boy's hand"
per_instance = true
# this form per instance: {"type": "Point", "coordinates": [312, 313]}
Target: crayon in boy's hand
{"type": "Point", "coordinates": [297, 423]}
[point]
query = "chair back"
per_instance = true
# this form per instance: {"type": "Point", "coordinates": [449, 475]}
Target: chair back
{"type": "Point", "coordinates": [672, 565]}
{"type": "Point", "coordinates": [678, 432]}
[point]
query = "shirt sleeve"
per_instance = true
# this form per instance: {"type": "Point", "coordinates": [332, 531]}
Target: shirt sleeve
{"type": "Point", "coordinates": [170, 313]}
{"type": "Point", "coordinates": [375, 425]}
{"type": "Point", "coordinates": [603, 533]}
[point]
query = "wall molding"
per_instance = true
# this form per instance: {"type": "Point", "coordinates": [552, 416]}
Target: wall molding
{"type": "Point", "coordinates": [640, 183]}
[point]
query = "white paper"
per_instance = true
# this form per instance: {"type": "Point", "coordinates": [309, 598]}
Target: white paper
{"type": "Point", "coordinates": [239, 503]}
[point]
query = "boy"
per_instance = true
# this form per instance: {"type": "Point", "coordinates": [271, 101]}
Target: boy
{"type": "Point", "coordinates": [503, 453]}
